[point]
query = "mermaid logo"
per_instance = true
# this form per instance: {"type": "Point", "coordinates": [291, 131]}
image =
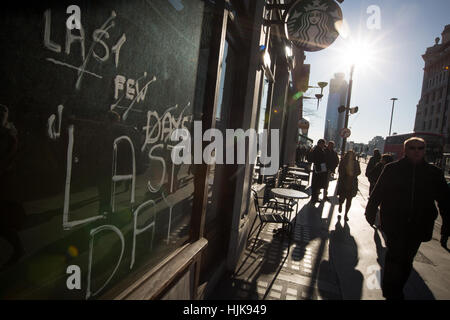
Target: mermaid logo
{"type": "Point", "coordinates": [310, 25]}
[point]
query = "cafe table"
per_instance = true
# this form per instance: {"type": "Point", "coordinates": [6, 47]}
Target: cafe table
{"type": "Point", "coordinates": [289, 194]}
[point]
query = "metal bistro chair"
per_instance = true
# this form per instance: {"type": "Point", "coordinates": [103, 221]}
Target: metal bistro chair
{"type": "Point", "coordinates": [277, 181]}
{"type": "Point", "coordinates": [270, 213]}
{"type": "Point", "coordinates": [282, 181]}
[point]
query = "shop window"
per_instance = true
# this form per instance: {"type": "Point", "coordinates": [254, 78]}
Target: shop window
{"type": "Point", "coordinates": [92, 190]}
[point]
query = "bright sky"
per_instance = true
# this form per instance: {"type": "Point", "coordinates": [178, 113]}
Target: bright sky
{"type": "Point", "coordinates": [408, 27]}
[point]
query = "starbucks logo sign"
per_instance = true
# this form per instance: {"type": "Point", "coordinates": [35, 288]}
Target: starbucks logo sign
{"type": "Point", "coordinates": [311, 24]}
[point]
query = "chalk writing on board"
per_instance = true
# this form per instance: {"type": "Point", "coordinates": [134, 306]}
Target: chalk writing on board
{"type": "Point", "coordinates": [99, 36]}
{"type": "Point", "coordinates": [91, 251]}
{"type": "Point", "coordinates": [137, 231]}
{"type": "Point", "coordinates": [127, 177]}
{"type": "Point", "coordinates": [67, 224]}
{"type": "Point", "coordinates": [132, 91]}
{"type": "Point", "coordinates": [51, 131]}
{"type": "Point", "coordinates": [129, 91]}
{"type": "Point", "coordinates": [157, 132]}
{"type": "Point", "coordinates": [73, 67]}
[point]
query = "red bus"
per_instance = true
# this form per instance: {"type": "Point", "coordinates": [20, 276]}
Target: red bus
{"type": "Point", "coordinates": [434, 142]}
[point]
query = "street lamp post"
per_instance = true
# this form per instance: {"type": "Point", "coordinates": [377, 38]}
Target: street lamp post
{"type": "Point", "coordinates": [318, 96]}
{"type": "Point", "coordinates": [347, 107]}
{"type": "Point", "coordinates": [392, 113]}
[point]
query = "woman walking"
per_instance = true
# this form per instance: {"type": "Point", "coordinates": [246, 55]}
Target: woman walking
{"type": "Point", "coordinates": [347, 185]}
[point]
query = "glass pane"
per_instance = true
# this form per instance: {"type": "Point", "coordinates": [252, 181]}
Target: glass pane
{"type": "Point", "coordinates": [90, 196]}
{"type": "Point", "coordinates": [222, 81]}
{"type": "Point", "coordinates": [263, 105]}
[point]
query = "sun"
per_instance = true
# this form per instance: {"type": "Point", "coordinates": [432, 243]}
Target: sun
{"type": "Point", "coordinates": [360, 53]}
{"type": "Point", "coordinates": [358, 47]}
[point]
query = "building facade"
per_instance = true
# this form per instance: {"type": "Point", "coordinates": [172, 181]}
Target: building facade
{"type": "Point", "coordinates": [334, 121]}
{"type": "Point", "coordinates": [432, 109]}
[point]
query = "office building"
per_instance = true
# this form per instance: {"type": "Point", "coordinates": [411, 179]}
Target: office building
{"type": "Point", "coordinates": [432, 109]}
{"type": "Point", "coordinates": [334, 121]}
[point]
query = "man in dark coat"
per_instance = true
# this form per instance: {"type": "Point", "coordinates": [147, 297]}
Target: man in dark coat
{"type": "Point", "coordinates": [332, 161]}
{"type": "Point", "coordinates": [319, 178]}
{"type": "Point", "coordinates": [370, 166]}
{"type": "Point", "coordinates": [406, 192]}
{"type": "Point", "coordinates": [376, 171]}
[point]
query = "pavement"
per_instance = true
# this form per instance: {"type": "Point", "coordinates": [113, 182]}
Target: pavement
{"type": "Point", "coordinates": [330, 259]}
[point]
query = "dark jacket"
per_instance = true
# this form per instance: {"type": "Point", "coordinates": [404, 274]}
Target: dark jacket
{"type": "Point", "coordinates": [317, 156]}
{"type": "Point", "coordinates": [331, 159]}
{"type": "Point", "coordinates": [406, 195]}
{"type": "Point", "coordinates": [371, 165]}
{"type": "Point", "coordinates": [347, 185]}
{"type": "Point", "coordinates": [319, 178]}
{"type": "Point", "coordinates": [375, 173]}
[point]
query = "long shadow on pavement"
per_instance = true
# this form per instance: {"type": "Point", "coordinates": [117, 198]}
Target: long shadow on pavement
{"type": "Point", "coordinates": [344, 256]}
{"type": "Point", "coordinates": [415, 288]}
{"type": "Point", "coordinates": [262, 257]}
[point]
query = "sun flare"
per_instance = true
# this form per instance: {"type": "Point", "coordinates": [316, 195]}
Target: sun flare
{"type": "Point", "coordinates": [358, 53]}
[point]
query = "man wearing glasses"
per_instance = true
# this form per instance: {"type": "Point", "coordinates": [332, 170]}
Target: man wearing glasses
{"type": "Point", "coordinates": [406, 193]}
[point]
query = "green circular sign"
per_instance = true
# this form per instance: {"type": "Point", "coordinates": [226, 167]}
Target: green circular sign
{"type": "Point", "coordinates": [311, 24]}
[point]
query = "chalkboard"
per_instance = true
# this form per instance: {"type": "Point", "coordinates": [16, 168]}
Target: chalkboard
{"type": "Point", "coordinates": [89, 196]}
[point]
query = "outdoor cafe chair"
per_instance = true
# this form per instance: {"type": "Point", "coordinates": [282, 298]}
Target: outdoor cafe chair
{"type": "Point", "coordinates": [270, 214]}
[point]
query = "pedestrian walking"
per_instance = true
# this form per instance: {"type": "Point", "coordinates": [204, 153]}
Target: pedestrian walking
{"type": "Point", "coordinates": [370, 166]}
{"type": "Point", "coordinates": [347, 185]}
{"type": "Point", "coordinates": [406, 192]}
{"type": "Point", "coordinates": [375, 173]}
{"type": "Point", "coordinates": [319, 177]}
{"type": "Point", "coordinates": [332, 161]}
{"type": "Point", "coordinates": [299, 154]}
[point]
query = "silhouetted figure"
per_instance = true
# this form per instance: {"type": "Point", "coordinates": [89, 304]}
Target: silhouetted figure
{"type": "Point", "coordinates": [332, 161]}
{"type": "Point", "coordinates": [375, 173]}
{"type": "Point", "coordinates": [300, 154]}
{"type": "Point", "coordinates": [370, 166]}
{"type": "Point", "coordinates": [319, 177]}
{"type": "Point", "coordinates": [12, 214]}
{"type": "Point", "coordinates": [344, 251]}
{"type": "Point", "coordinates": [406, 192]}
{"type": "Point", "coordinates": [347, 185]}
